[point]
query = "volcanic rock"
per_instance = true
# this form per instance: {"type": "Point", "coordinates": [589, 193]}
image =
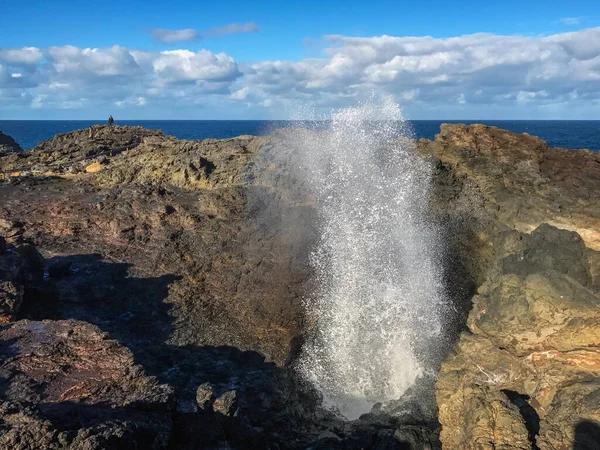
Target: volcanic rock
{"type": "Point", "coordinates": [525, 371]}
{"type": "Point", "coordinates": [19, 267]}
{"type": "Point", "coordinates": [8, 145]}
{"type": "Point", "coordinates": [64, 384]}
{"type": "Point", "coordinates": [180, 251]}
{"type": "Point", "coordinates": [183, 264]}
{"type": "Point", "coordinates": [516, 180]}
{"type": "Point", "coordinates": [196, 212]}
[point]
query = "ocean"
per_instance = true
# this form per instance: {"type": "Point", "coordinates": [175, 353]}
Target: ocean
{"type": "Point", "coordinates": [574, 134]}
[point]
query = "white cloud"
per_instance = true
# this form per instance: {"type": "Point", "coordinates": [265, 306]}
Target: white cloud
{"type": "Point", "coordinates": [169, 36]}
{"type": "Point", "coordinates": [25, 55]}
{"type": "Point", "coordinates": [189, 34]}
{"type": "Point", "coordinates": [131, 101]}
{"type": "Point", "coordinates": [107, 62]}
{"type": "Point", "coordinates": [183, 65]}
{"type": "Point", "coordinates": [240, 94]}
{"type": "Point", "coordinates": [424, 73]}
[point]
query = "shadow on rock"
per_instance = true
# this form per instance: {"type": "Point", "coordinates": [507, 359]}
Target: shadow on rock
{"type": "Point", "coordinates": [218, 393]}
{"type": "Point", "coordinates": [86, 287]}
{"type": "Point", "coordinates": [587, 436]}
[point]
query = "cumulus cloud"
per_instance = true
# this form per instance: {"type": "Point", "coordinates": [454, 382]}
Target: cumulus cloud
{"type": "Point", "coordinates": [185, 66]}
{"type": "Point", "coordinates": [468, 73]}
{"type": "Point", "coordinates": [25, 55]}
{"type": "Point", "coordinates": [93, 62]}
{"type": "Point", "coordinates": [189, 34]}
{"type": "Point", "coordinates": [471, 69]}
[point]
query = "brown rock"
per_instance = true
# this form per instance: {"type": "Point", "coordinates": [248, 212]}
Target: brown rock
{"type": "Point", "coordinates": [519, 182]}
{"type": "Point", "coordinates": [60, 376]}
{"type": "Point", "coordinates": [195, 210]}
{"type": "Point", "coordinates": [535, 326]}
{"type": "Point", "coordinates": [94, 167]}
{"type": "Point", "coordinates": [226, 404]}
{"type": "Point", "coordinates": [204, 395]}
{"type": "Point", "coordinates": [534, 333]}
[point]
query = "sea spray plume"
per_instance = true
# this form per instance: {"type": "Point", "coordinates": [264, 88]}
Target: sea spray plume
{"type": "Point", "coordinates": [377, 306]}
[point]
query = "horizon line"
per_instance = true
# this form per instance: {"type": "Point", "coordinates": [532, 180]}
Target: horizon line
{"type": "Point", "coordinates": [291, 120]}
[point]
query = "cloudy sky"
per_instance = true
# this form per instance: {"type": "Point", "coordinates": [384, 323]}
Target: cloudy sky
{"type": "Point", "coordinates": [272, 59]}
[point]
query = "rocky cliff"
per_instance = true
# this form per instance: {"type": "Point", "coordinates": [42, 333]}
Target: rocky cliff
{"type": "Point", "coordinates": [159, 288]}
{"type": "Point", "coordinates": [525, 225]}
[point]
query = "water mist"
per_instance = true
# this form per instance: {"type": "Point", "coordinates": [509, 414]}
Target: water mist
{"type": "Point", "coordinates": [377, 308]}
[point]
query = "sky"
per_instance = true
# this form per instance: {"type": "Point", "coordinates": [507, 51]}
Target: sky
{"type": "Point", "coordinates": [225, 59]}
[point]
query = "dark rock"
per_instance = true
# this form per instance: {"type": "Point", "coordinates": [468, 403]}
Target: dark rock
{"type": "Point", "coordinates": [8, 145]}
{"type": "Point", "coordinates": [20, 268]}
{"type": "Point", "coordinates": [240, 265]}
{"type": "Point", "coordinates": [548, 249]}
{"type": "Point", "coordinates": [59, 269]}
{"type": "Point", "coordinates": [65, 385]}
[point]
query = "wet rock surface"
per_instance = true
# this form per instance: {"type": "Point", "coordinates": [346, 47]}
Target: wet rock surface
{"type": "Point", "coordinates": [152, 297]}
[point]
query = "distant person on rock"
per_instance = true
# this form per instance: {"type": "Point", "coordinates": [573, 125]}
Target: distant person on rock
{"type": "Point", "coordinates": [111, 121]}
{"type": "Point", "coordinates": [91, 132]}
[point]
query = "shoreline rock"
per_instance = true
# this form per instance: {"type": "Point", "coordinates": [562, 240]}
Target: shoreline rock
{"type": "Point", "coordinates": [192, 257]}
{"type": "Point", "coordinates": [524, 372]}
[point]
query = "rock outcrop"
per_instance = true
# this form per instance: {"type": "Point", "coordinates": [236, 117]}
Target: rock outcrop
{"type": "Point", "coordinates": [166, 306]}
{"type": "Point", "coordinates": [184, 210]}
{"type": "Point", "coordinates": [20, 266]}
{"type": "Point", "coordinates": [195, 262]}
{"type": "Point", "coordinates": [74, 152]}
{"type": "Point", "coordinates": [526, 372]}
{"type": "Point", "coordinates": [518, 180]}
{"type": "Point", "coordinates": [65, 385]}
{"type": "Point", "coordinates": [8, 145]}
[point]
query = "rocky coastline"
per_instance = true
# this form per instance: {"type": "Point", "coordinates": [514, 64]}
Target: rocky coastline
{"type": "Point", "coordinates": [151, 297]}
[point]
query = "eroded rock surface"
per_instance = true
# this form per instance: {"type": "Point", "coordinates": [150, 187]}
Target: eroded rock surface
{"type": "Point", "coordinates": [64, 384]}
{"type": "Point", "coordinates": [180, 209]}
{"type": "Point", "coordinates": [195, 261]}
{"type": "Point", "coordinates": [526, 373]}
{"type": "Point", "coordinates": [183, 265]}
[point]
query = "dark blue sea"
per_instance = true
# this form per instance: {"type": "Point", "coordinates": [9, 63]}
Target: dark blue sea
{"type": "Point", "coordinates": [573, 134]}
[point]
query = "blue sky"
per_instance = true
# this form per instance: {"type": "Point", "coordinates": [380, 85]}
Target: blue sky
{"type": "Point", "coordinates": [268, 59]}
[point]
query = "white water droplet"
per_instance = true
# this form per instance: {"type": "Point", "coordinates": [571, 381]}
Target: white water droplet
{"type": "Point", "coordinates": [378, 302]}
